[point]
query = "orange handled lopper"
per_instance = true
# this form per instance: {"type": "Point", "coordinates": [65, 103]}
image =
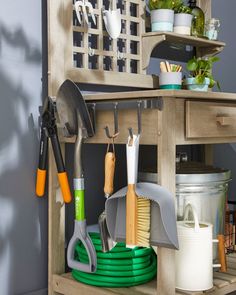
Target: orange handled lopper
{"type": "Point", "coordinates": [49, 130]}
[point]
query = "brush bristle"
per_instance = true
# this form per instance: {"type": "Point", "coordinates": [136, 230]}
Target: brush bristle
{"type": "Point", "coordinates": [143, 224]}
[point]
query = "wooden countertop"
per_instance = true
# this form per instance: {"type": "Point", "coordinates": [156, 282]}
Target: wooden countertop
{"type": "Point", "coordinates": [161, 93]}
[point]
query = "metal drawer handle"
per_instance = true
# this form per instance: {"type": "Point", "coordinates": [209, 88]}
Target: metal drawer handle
{"type": "Point", "coordinates": [225, 121]}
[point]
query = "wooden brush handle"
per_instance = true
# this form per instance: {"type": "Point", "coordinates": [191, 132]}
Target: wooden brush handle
{"type": "Point", "coordinates": [221, 250]}
{"type": "Point", "coordinates": [109, 173]}
{"type": "Point", "coordinates": [131, 216]}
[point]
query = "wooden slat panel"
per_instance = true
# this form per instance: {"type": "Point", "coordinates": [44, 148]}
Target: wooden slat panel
{"type": "Point", "coordinates": [147, 289]}
{"type": "Point", "coordinates": [220, 283]}
{"type": "Point", "coordinates": [225, 277]}
{"type": "Point", "coordinates": [68, 286]}
{"type": "Point", "coordinates": [166, 177]}
{"type": "Point", "coordinates": [231, 265]}
{"type": "Point", "coordinates": [56, 224]}
{"type": "Point", "coordinates": [231, 271]}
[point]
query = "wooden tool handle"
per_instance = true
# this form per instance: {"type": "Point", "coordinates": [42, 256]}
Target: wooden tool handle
{"type": "Point", "coordinates": [221, 250]}
{"type": "Point", "coordinates": [131, 216]}
{"type": "Point", "coordinates": [225, 121]}
{"type": "Point", "coordinates": [109, 173]}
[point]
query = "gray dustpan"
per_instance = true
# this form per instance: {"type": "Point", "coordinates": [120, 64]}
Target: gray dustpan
{"type": "Point", "coordinates": [163, 217]}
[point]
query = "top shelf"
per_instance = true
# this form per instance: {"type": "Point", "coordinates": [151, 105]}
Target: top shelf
{"type": "Point", "coordinates": [152, 39]}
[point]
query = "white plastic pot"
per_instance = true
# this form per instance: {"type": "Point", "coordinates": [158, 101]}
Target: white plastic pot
{"type": "Point", "coordinates": [182, 23]}
{"type": "Point", "coordinates": [193, 261]}
{"type": "Point", "coordinates": [162, 20]}
{"type": "Point", "coordinates": [170, 80]}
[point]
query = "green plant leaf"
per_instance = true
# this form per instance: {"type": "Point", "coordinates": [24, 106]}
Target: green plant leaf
{"type": "Point", "coordinates": [214, 59]}
{"type": "Point", "coordinates": [200, 79]}
{"type": "Point", "coordinates": [212, 83]}
{"type": "Point", "coordinates": [218, 85]}
{"type": "Point", "coordinates": [192, 65]}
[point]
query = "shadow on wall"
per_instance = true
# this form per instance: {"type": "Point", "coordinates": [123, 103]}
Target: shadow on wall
{"type": "Point", "coordinates": [21, 214]}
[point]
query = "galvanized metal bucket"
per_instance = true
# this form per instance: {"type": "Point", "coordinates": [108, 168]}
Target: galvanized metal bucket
{"type": "Point", "coordinates": [203, 186]}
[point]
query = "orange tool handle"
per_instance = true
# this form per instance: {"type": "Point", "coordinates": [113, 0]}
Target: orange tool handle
{"type": "Point", "coordinates": [221, 250]}
{"type": "Point", "coordinates": [65, 188]}
{"type": "Point", "coordinates": [40, 182]}
{"type": "Point", "coordinates": [109, 173]}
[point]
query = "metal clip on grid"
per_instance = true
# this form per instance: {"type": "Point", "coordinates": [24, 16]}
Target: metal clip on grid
{"type": "Point", "coordinates": [91, 51]}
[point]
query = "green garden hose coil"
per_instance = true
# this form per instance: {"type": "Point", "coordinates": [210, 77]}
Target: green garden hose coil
{"type": "Point", "coordinates": [120, 267]}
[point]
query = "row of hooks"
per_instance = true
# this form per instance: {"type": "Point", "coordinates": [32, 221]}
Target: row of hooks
{"type": "Point", "coordinates": [116, 124]}
{"type": "Point", "coordinates": [120, 55]}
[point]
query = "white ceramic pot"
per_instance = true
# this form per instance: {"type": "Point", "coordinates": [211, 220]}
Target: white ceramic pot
{"type": "Point", "coordinates": [193, 261]}
{"type": "Point", "coordinates": [162, 20]}
{"type": "Point", "coordinates": [170, 80]}
{"type": "Point", "coordinates": [182, 23]}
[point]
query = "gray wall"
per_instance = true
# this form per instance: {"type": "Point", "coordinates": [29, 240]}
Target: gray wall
{"type": "Point", "coordinates": [225, 154]}
{"type": "Point", "coordinates": [23, 217]}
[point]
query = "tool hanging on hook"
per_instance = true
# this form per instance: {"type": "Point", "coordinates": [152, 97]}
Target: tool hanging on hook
{"type": "Point", "coordinates": [84, 7]}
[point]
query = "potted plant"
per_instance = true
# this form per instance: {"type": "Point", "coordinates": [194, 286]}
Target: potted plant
{"type": "Point", "coordinates": [201, 74]}
{"type": "Point", "coordinates": [182, 19]}
{"type": "Point", "coordinates": [162, 15]}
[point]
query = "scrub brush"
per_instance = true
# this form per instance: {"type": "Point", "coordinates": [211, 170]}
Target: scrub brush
{"type": "Point", "coordinates": [137, 207]}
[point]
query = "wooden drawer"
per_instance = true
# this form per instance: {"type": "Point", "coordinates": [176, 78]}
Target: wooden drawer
{"type": "Point", "coordinates": [210, 119]}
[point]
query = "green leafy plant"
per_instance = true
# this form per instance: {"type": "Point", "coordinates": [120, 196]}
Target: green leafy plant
{"type": "Point", "coordinates": [202, 68]}
{"type": "Point", "coordinates": [180, 7]}
{"type": "Point", "coordinates": [161, 4]}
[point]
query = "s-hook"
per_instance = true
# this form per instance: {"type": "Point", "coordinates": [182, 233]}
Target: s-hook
{"type": "Point", "coordinates": [116, 130]}
{"type": "Point", "coordinates": [139, 121]}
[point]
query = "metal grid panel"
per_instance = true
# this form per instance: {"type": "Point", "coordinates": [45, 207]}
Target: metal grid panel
{"type": "Point", "coordinates": [93, 49]}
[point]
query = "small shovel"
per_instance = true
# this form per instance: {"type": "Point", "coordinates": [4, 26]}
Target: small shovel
{"type": "Point", "coordinates": [112, 21]}
{"type": "Point", "coordinates": [110, 159]}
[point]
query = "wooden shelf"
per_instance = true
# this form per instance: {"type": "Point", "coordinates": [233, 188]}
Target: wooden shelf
{"type": "Point", "coordinates": [223, 284]}
{"type": "Point", "coordinates": [116, 96]}
{"type": "Point", "coordinates": [112, 78]}
{"type": "Point", "coordinates": [151, 40]}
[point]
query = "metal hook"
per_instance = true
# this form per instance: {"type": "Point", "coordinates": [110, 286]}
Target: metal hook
{"type": "Point", "coordinates": [139, 112]}
{"type": "Point", "coordinates": [91, 51]}
{"type": "Point", "coordinates": [116, 129]}
{"type": "Point", "coordinates": [139, 115]}
{"type": "Point", "coordinates": [120, 55]}
{"type": "Point", "coordinates": [131, 133]}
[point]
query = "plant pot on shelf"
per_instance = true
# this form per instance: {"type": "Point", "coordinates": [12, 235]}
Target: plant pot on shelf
{"type": "Point", "coordinates": [183, 23]}
{"type": "Point", "coordinates": [192, 84]}
{"type": "Point", "coordinates": [162, 20]}
{"type": "Point", "coordinates": [170, 80]}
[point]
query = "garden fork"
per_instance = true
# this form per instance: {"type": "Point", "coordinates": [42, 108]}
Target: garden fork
{"type": "Point", "coordinates": [84, 7]}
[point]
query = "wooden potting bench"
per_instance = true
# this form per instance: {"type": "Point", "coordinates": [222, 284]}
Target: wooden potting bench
{"type": "Point", "coordinates": [181, 118]}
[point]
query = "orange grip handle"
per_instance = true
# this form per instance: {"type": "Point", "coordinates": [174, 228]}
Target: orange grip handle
{"type": "Point", "coordinates": [65, 188]}
{"type": "Point", "coordinates": [40, 182]}
{"type": "Point", "coordinates": [109, 173]}
{"type": "Point", "coordinates": [221, 250]}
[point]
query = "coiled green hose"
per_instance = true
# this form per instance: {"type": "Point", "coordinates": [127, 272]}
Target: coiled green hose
{"type": "Point", "coordinates": [121, 267]}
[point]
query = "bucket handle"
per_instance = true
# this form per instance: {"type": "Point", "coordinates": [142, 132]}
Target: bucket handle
{"type": "Point", "coordinates": [191, 207]}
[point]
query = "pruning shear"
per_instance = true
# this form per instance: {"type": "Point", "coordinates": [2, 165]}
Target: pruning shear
{"type": "Point", "coordinates": [84, 7]}
{"type": "Point", "coordinates": [49, 130]}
